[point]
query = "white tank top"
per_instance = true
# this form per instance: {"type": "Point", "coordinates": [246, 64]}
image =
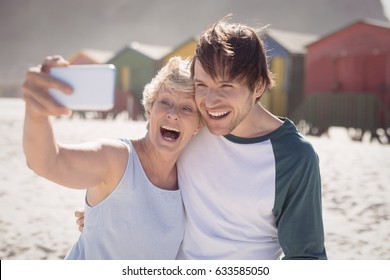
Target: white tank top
{"type": "Point", "coordinates": [136, 221]}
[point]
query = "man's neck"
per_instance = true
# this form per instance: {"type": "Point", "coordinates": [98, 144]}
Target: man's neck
{"type": "Point", "coordinates": [259, 122]}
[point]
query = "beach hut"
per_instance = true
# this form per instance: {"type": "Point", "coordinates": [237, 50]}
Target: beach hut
{"type": "Point", "coordinates": [184, 50]}
{"type": "Point", "coordinates": [287, 53]}
{"type": "Point", "coordinates": [91, 56]}
{"type": "Point", "coordinates": [347, 77]}
{"type": "Point", "coordinates": [355, 59]}
{"type": "Point", "coordinates": [136, 65]}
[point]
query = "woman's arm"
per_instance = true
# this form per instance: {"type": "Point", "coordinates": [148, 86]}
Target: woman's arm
{"type": "Point", "coordinates": [75, 166]}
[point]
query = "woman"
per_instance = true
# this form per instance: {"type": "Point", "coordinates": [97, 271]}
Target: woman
{"type": "Point", "coordinates": [133, 203]}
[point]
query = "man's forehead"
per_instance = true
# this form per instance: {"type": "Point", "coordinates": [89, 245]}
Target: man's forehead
{"type": "Point", "coordinates": [200, 74]}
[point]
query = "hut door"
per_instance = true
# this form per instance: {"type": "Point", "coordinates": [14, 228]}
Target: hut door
{"type": "Point", "coordinates": [364, 74]}
{"type": "Point", "coordinates": [349, 74]}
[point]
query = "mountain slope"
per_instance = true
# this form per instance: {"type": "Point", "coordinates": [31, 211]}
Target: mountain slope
{"type": "Point", "coordinates": [30, 30]}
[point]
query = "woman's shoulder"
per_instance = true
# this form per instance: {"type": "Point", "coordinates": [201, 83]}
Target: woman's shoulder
{"type": "Point", "coordinates": [116, 150]}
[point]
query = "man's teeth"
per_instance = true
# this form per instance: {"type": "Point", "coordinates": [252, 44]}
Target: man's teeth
{"type": "Point", "coordinates": [217, 114]}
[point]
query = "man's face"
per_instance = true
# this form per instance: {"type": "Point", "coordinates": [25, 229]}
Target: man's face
{"type": "Point", "coordinates": [224, 104]}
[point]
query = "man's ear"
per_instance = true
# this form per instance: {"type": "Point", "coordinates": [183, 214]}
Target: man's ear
{"type": "Point", "coordinates": [259, 90]}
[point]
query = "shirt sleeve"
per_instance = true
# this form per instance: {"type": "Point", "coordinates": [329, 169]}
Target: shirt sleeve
{"type": "Point", "coordinates": [298, 204]}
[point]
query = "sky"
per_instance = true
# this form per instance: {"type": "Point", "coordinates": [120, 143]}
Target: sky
{"type": "Point", "coordinates": [386, 8]}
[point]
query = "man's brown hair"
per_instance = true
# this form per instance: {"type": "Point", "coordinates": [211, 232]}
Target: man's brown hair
{"type": "Point", "coordinates": [234, 52]}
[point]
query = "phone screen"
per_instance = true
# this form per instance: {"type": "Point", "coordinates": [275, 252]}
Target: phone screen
{"type": "Point", "coordinates": [93, 86]}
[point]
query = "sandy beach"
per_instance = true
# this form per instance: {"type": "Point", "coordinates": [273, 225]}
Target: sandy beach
{"type": "Point", "coordinates": [36, 221]}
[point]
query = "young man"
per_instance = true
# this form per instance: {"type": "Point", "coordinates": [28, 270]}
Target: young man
{"type": "Point", "coordinates": [250, 182]}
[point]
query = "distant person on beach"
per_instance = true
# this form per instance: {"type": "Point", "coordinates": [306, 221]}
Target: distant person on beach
{"type": "Point", "coordinates": [133, 206]}
{"type": "Point", "coordinates": [250, 182]}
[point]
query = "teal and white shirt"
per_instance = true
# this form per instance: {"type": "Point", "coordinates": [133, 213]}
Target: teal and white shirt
{"type": "Point", "coordinates": [251, 198]}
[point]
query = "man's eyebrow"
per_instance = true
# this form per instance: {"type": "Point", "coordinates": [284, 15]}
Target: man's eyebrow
{"type": "Point", "coordinates": [196, 80]}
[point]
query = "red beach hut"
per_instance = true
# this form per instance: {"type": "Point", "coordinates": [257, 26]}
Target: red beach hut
{"type": "Point", "coordinates": [347, 79]}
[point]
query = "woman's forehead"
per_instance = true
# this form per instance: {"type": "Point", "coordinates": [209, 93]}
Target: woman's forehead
{"type": "Point", "coordinates": [163, 92]}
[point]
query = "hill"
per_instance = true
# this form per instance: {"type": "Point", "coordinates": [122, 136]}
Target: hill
{"type": "Point", "coordinates": [30, 30]}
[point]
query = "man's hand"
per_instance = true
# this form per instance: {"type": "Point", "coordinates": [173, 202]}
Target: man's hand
{"type": "Point", "coordinates": [80, 219]}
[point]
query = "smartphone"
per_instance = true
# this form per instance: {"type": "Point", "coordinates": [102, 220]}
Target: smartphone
{"type": "Point", "coordinates": [93, 86]}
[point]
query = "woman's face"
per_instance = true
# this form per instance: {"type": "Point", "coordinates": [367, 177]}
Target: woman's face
{"type": "Point", "coordinates": [173, 120]}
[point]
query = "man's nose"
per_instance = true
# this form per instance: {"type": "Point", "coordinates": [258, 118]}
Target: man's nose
{"type": "Point", "coordinates": [211, 97]}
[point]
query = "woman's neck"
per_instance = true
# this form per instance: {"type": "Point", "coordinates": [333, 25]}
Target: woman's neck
{"type": "Point", "coordinates": [160, 168]}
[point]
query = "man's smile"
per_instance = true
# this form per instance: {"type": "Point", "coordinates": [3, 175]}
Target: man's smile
{"type": "Point", "coordinates": [217, 115]}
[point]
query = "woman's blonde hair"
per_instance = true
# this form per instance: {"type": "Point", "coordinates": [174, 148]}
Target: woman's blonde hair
{"type": "Point", "coordinates": [174, 77]}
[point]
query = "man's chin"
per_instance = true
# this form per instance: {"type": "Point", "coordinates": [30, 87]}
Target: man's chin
{"type": "Point", "coordinates": [219, 131]}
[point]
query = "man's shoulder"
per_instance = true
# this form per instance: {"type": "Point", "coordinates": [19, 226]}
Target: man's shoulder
{"type": "Point", "coordinates": [198, 142]}
{"type": "Point", "coordinates": [204, 134]}
{"type": "Point", "coordinates": [288, 139]}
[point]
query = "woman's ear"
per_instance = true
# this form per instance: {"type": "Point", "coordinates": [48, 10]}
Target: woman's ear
{"type": "Point", "coordinates": [200, 125]}
{"type": "Point", "coordinates": [147, 114]}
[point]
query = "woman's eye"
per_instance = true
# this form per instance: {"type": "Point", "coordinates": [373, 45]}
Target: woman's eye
{"type": "Point", "coordinates": [188, 109]}
{"type": "Point", "coordinates": [164, 102]}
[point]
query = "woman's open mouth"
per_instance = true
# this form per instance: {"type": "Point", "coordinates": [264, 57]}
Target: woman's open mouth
{"type": "Point", "coordinates": [169, 133]}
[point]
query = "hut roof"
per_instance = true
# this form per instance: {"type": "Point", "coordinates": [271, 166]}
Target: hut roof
{"type": "Point", "coordinates": [293, 42]}
{"type": "Point", "coordinates": [368, 21]}
{"type": "Point", "coordinates": [100, 56]}
{"type": "Point", "coordinates": [155, 52]}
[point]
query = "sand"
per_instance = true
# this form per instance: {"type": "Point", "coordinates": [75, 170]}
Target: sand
{"type": "Point", "coordinates": [37, 222]}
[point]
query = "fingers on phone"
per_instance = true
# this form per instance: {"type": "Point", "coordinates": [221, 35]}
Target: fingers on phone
{"type": "Point", "coordinates": [53, 61]}
{"type": "Point", "coordinates": [44, 81]}
{"type": "Point", "coordinates": [36, 92]}
{"type": "Point", "coordinates": [41, 101]}
{"type": "Point", "coordinates": [44, 104]}
{"type": "Point", "coordinates": [36, 77]}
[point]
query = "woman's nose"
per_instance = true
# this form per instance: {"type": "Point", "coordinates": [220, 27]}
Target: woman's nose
{"type": "Point", "coordinates": [172, 112]}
